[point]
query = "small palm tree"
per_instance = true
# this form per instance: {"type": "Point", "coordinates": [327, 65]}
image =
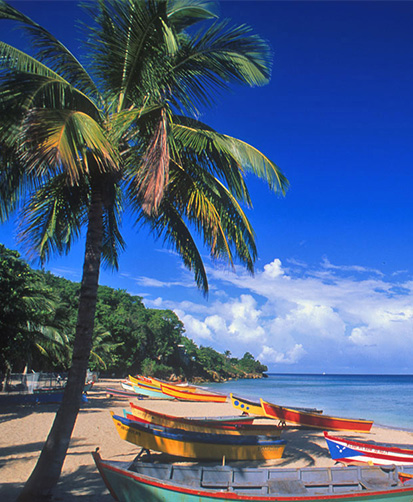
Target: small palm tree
{"type": "Point", "coordinates": [78, 147]}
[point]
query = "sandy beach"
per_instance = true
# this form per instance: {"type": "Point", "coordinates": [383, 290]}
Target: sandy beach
{"type": "Point", "coordinates": [23, 430]}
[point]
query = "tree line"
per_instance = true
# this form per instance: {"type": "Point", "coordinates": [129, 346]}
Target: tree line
{"type": "Point", "coordinates": [38, 323]}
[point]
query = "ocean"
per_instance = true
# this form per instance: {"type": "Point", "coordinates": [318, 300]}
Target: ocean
{"type": "Point", "coordinates": [386, 399]}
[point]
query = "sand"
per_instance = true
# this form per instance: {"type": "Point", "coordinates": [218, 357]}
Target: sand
{"type": "Point", "coordinates": [23, 430]}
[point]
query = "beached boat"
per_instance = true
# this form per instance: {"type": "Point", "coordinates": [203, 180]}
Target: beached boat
{"type": "Point", "coordinates": [246, 406]}
{"type": "Point", "coordinates": [156, 382]}
{"type": "Point", "coordinates": [254, 408]}
{"type": "Point", "coordinates": [139, 481]}
{"type": "Point", "coordinates": [150, 392]}
{"type": "Point", "coordinates": [314, 420]}
{"type": "Point", "coordinates": [126, 385]}
{"type": "Point", "coordinates": [202, 425]}
{"type": "Point", "coordinates": [200, 446]}
{"type": "Point", "coordinates": [198, 395]}
{"type": "Point", "coordinates": [349, 451]}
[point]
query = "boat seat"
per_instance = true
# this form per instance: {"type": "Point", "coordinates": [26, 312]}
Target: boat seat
{"type": "Point", "coordinates": [187, 476]}
{"type": "Point", "coordinates": [376, 484]}
{"type": "Point", "coordinates": [286, 487]}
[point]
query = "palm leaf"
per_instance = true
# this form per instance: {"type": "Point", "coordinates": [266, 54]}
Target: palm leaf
{"type": "Point", "coordinates": [199, 138]}
{"type": "Point", "coordinates": [65, 138]}
{"type": "Point", "coordinates": [51, 51]}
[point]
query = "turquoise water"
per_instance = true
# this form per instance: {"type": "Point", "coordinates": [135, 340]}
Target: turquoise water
{"type": "Point", "coordinates": [386, 399]}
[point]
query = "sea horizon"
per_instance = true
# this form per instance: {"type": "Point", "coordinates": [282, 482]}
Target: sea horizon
{"type": "Point", "coordinates": [387, 399]}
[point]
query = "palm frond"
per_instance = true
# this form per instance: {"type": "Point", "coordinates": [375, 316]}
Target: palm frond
{"type": "Point", "coordinates": [153, 174]}
{"type": "Point", "coordinates": [215, 59]}
{"type": "Point", "coordinates": [169, 225]}
{"type": "Point", "coordinates": [185, 13]}
{"type": "Point", "coordinates": [52, 219]}
{"type": "Point", "coordinates": [65, 139]}
{"type": "Point", "coordinates": [51, 51]}
{"type": "Point", "coordinates": [196, 136]}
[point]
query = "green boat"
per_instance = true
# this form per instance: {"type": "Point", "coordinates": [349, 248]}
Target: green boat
{"type": "Point", "coordinates": [140, 481]}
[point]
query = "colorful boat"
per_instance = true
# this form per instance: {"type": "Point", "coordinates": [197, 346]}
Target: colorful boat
{"type": "Point", "coordinates": [184, 395]}
{"type": "Point", "coordinates": [349, 451]}
{"type": "Point", "coordinates": [143, 481]}
{"type": "Point", "coordinates": [314, 420]}
{"type": "Point", "coordinates": [150, 392]}
{"type": "Point", "coordinates": [205, 425]}
{"type": "Point", "coordinates": [156, 383]}
{"type": "Point", "coordinates": [246, 406]}
{"type": "Point", "coordinates": [254, 408]}
{"type": "Point", "coordinates": [201, 446]}
{"type": "Point", "coordinates": [126, 385]}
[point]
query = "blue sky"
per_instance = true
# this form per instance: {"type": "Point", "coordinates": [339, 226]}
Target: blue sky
{"type": "Point", "coordinates": [333, 289]}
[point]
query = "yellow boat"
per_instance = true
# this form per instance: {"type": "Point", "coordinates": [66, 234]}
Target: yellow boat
{"type": "Point", "coordinates": [248, 407]}
{"type": "Point", "coordinates": [198, 445]}
{"type": "Point", "coordinates": [197, 395]}
{"type": "Point", "coordinates": [203, 425]}
{"type": "Point", "coordinates": [156, 383]}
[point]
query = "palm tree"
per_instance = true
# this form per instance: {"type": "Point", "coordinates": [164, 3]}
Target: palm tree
{"type": "Point", "coordinates": [78, 147]}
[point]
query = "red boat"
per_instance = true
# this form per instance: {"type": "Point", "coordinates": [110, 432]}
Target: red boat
{"type": "Point", "coordinates": [349, 451]}
{"type": "Point", "coordinates": [315, 420]}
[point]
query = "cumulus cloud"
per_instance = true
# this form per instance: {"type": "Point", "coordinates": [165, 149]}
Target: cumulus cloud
{"type": "Point", "coordinates": [302, 318]}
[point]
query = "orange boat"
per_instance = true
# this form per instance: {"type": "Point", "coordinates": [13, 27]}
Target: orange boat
{"type": "Point", "coordinates": [315, 420]}
{"type": "Point", "coordinates": [209, 425]}
{"type": "Point", "coordinates": [197, 395]}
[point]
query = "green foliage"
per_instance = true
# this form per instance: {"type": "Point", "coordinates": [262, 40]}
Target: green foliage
{"type": "Point", "coordinates": [38, 323]}
{"type": "Point", "coordinates": [30, 333]}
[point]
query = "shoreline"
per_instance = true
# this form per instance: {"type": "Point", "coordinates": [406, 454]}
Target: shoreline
{"type": "Point", "coordinates": [23, 430]}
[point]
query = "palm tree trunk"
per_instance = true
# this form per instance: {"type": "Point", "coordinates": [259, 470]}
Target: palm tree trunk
{"type": "Point", "coordinates": [50, 463]}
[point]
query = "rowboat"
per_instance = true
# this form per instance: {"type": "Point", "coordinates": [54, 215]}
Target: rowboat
{"type": "Point", "coordinates": [183, 395]}
{"type": "Point", "coordinates": [246, 406]}
{"type": "Point", "coordinates": [315, 420]}
{"type": "Point", "coordinates": [205, 425]}
{"type": "Point", "coordinates": [150, 392]}
{"type": "Point", "coordinates": [198, 445]}
{"type": "Point", "coordinates": [144, 481]}
{"type": "Point", "coordinates": [121, 393]}
{"type": "Point", "coordinates": [156, 383]}
{"type": "Point", "coordinates": [349, 451]}
{"type": "Point", "coordinates": [254, 408]}
{"type": "Point", "coordinates": [126, 386]}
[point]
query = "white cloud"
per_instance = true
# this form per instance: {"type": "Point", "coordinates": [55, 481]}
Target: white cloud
{"type": "Point", "coordinates": [301, 318]}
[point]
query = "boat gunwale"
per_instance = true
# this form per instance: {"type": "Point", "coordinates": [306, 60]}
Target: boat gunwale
{"type": "Point", "coordinates": [342, 420]}
{"type": "Point", "coordinates": [227, 495]}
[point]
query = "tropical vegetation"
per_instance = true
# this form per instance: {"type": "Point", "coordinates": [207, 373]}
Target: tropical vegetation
{"type": "Point", "coordinates": [128, 338]}
{"type": "Point", "coordinates": [82, 142]}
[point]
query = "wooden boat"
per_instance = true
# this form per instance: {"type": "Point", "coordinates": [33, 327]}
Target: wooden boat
{"type": "Point", "coordinates": [126, 386]}
{"type": "Point", "coordinates": [150, 392]}
{"type": "Point", "coordinates": [156, 383]}
{"type": "Point", "coordinates": [121, 393]}
{"type": "Point", "coordinates": [246, 406]}
{"type": "Point", "coordinates": [205, 425]}
{"type": "Point", "coordinates": [254, 408]}
{"type": "Point", "coordinates": [349, 451]}
{"type": "Point", "coordinates": [139, 481]}
{"type": "Point", "coordinates": [184, 395]}
{"type": "Point", "coordinates": [314, 420]}
{"type": "Point", "coordinates": [198, 445]}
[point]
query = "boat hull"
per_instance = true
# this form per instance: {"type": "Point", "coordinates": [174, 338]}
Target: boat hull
{"type": "Point", "coordinates": [206, 426]}
{"type": "Point", "coordinates": [350, 452]}
{"type": "Point", "coordinates": [198, 396]}
{"type": "Point", "coordinates": [128, 486]}
{"type": "Point", "coordinates": [249, 407]}
{"type": "Point", "coordinates": [315, 420]}
{"type": "Point", "coordinates": [152, 393]}
{"type": "Point", "coordinates": [198, 445]}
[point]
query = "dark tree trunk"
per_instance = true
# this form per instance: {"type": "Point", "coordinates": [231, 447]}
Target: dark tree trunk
{"type": "Point", "coordinates": [50, 463]}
